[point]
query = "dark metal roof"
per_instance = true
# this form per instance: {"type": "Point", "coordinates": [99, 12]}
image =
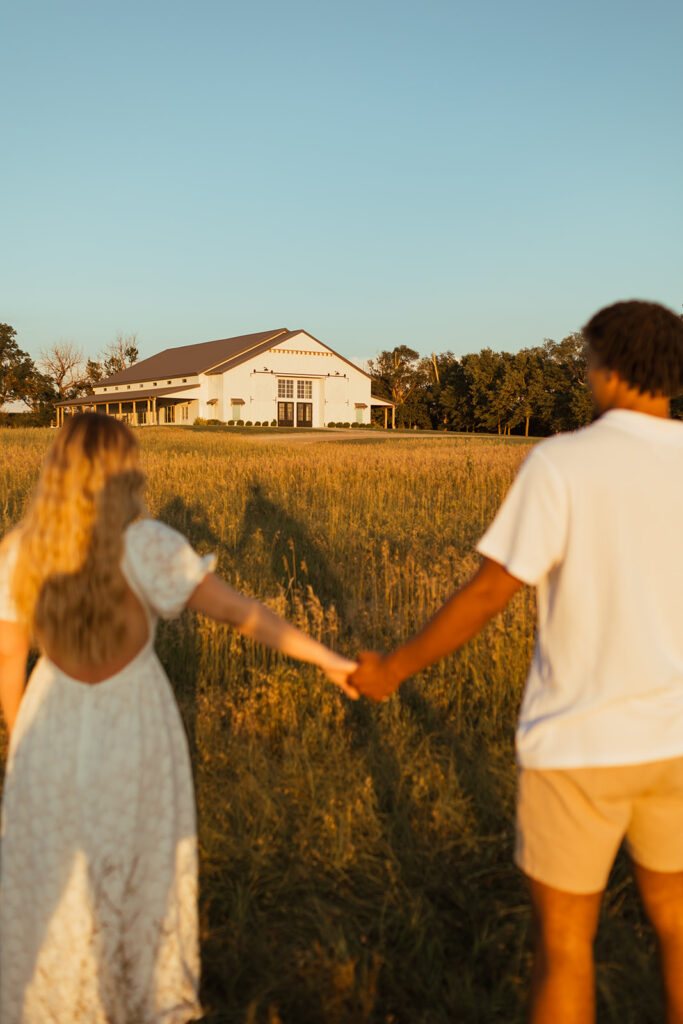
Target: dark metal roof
{"type": "Point", "coordinates": [241, 357]}
{"type": "Point", "coordinates": [128, 396]}
{"type": "Point", "coordinates": [192, 359]}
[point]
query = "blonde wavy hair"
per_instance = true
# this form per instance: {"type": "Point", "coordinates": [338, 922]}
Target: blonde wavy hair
{"type": "Point", "coordinates": [68, 586]}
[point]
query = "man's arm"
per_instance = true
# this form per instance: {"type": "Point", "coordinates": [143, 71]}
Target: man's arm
{"type": "Point", "coordinates": [457, 621]}
{"type": "Point", "coordinates": [14, 646]}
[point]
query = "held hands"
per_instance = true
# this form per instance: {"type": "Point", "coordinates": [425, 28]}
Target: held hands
{"type": "Point", "coordinates": [338, 670]}
{"type": "Point", "coordinates": [374, 677]}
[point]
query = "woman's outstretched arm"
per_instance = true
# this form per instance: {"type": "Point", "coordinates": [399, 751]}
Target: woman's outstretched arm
{"type": "Point", "coordinates": [213, 597]}
{"type": "Point", "coordinates": [13, 656]}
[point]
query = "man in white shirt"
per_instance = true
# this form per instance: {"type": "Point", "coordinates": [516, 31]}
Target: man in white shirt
{"type": "Point", "coordinates": [594, 521]}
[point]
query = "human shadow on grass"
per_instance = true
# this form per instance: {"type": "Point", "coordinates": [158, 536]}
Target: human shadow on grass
{"type": "Point", "coordinates": [275, 547]}
{"type": "Point", "coordinates": [466, 889]}
{"type": "Point", "coordinates": [190, 519]}
{"type": "Point", "coordinates": [482, 897]}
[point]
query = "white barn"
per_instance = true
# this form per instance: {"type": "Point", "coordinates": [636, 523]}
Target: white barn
{"type": "Point", "coordinates": [282, 375]}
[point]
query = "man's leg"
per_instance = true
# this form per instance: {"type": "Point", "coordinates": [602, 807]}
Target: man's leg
{"type": "Point", "coordinates": [662, 896]}
{"type": "Point", "coordinates": [563, 979]}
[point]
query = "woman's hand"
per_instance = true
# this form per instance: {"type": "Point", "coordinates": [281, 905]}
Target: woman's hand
{"type": "Point", "coordinates": [338, 669]}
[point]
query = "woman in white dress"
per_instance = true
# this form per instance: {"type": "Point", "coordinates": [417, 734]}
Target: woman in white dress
{"type": "Point", "coordinates": [98, 869]}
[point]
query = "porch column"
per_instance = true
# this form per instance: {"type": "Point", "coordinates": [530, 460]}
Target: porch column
{"type": "Point", "coordinates": [106, 406]}
{"type": "Point", "coordinates": [156, 411]}
{"type": "Point", "coordinates": [148, 417]}
{"type": "Point", "coordinates": [385, 417]}
{"type": "Point", "coordinates": [120, 410]}
{"type": "Point", "coordinates": [393, 417]}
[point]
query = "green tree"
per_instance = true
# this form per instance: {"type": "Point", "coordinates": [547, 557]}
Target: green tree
{"type": "Point", "coordinates": [41, 397]}
{"type": "Point", "coordinates": [526, 390]}
{"type": "Point", "coordinates": [94, 373]}
{"type": "Point", "coordinates": [436, 371]}
{"type": "Point", "coordinates": [118, 355]}
{"type": "Point", "coordinates": [567, 374]}
{"type": "Point", "coordinates": [17, 371]}
{"type": "Point", "coordinates": [456, 398]}
{"type": "Point", "coordinates": [484, 374]}
{"type": "Point", "coordinates": [398, 375]}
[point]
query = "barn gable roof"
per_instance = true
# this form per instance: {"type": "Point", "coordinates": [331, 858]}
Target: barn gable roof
{"type": "Point", "coordinates": [191, 359]}
{"type": "Point", "coordinates": [210, 357]}
{"type": "Point", "coordinates": [249, 353]}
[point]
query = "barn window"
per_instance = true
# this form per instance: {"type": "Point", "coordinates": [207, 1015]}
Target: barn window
{"type": "Point", "coordinates": [285, 388]}
{"type": "Point", "coordinates": [304, 389]}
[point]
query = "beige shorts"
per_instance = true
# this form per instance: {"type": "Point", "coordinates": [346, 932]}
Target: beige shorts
{"type": "Point", "coordinates": [570, 822]}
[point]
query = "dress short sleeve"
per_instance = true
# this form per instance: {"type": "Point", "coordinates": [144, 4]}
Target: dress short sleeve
{"type": "Point", "coordinates": [9, 549]}
{"type": "Point", "coordinates": [529, 533]}
{"type": "Point", "coordinates": [164, 565]}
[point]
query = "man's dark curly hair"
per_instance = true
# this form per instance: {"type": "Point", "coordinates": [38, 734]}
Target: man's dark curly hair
{"type": "Point", "coordinates": [643, 342]}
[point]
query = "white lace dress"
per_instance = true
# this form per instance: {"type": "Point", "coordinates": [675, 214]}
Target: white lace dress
{"type": "Point", "coordinates": [98, 856]}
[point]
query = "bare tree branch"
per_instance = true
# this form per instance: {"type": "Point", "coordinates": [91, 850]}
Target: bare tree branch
{"type": "Point", "coordinates": [63, 363]}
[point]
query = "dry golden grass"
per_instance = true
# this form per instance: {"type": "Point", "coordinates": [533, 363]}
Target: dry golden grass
{"type": "Point", "coordinates": [356, 860]}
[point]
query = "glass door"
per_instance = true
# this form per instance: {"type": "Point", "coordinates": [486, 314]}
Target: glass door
{"type": "Point", "coordinates": [285, 414]}
{"type": "Point", "coordinates": [304, 414]}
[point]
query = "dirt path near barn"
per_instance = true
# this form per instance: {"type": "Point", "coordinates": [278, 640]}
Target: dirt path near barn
{"type": "Point", "coordinates": [312, 437]}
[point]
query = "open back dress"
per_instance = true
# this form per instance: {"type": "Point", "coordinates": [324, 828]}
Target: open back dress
{"type": "Point", "coordinates": [98, 848]}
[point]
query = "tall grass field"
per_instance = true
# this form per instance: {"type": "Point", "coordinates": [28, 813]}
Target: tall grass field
{"type": "Point", "coordinates": [356, 859]}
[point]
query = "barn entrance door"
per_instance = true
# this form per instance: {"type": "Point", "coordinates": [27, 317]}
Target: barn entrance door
{"type": "Point", "coordinates": [285, 414]}
{"type": "Point", "coordinates": [304, 414]}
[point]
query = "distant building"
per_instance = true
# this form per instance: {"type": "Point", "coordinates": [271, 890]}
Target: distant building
{"type": "Point", "coordinates": [15, 408]}
{"type": "Point", "coordinates": [282, 375]}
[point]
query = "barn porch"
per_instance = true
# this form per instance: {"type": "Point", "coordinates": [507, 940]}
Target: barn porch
{"type": "Point", "coordinates": [148, 407]}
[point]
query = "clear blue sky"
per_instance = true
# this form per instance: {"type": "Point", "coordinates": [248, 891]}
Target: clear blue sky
{"type": "Point", "coordinates": [443, 175]}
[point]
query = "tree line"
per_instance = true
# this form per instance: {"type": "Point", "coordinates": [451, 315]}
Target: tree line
{"type": "Point", "coordinates": [62, 372]}
{"type": "Point", "coordinates": [537, 391]}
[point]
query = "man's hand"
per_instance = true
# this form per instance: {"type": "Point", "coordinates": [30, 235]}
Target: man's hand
{"type": "Point", "coordinates": [339, 670]}
{"type": "Point", "coordinates": [373, 677]}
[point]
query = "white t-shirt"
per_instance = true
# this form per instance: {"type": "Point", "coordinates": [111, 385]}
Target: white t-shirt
{"type": "Point", "coordinates": [594, 520]}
